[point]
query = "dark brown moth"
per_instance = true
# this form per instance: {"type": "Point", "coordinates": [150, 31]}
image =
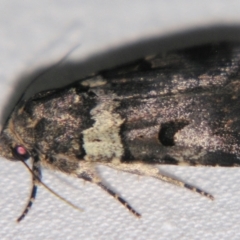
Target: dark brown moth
{"type": "Point", "coordinates": [180, 108]}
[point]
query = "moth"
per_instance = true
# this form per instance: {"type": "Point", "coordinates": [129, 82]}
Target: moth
{"type": "Point", "coordinates": [180, 108]}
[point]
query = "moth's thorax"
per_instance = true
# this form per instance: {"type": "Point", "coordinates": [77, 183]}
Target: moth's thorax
{"type": "Point", "coordinates": [58, 121]}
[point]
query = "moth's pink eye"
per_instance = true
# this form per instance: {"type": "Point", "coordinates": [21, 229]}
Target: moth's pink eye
{"type": "Point", "coordinates": [20, 153]}
{"type": "Point", "coordinates": [21, 150]}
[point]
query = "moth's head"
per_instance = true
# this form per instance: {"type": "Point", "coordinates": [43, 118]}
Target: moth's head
{"type": "Point", "coordinates": [11, 149]}
{"type": "Point", "coordinates": [17, 135]}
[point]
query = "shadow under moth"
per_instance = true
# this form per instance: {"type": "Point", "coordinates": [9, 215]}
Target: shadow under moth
{"type": "Point", "coordinates": [180, 108]}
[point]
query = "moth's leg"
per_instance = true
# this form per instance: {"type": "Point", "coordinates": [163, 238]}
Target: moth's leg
{"type": "Point", "coordinates": [182, 184]}
{"type": "Point", "coordinates": [142, 169]}
{"type": "Point", "coordinates": [93, 177]}
{"type": "Point", "coordinates": [119, 198]}
{"type": "Point", "coordinates": [37, 173]}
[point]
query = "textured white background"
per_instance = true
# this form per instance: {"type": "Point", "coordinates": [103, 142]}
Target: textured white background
{"type": "Point", "coordinates": [37, 34]}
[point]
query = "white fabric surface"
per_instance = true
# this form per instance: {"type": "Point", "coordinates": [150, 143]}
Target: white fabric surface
{"type": "Point", "coordinates": [37, 33]}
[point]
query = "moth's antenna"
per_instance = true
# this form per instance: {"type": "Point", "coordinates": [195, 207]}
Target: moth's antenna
{"type": "Point", "coordinates": [48, 188]}
{"type": "Point", "coordinates": [48, 69]}
{"type": "Point", "coordinates": [21, 97]}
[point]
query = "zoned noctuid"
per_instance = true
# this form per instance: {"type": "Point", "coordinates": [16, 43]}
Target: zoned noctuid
{"type": "Point", "coordinates": [180, 108]}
